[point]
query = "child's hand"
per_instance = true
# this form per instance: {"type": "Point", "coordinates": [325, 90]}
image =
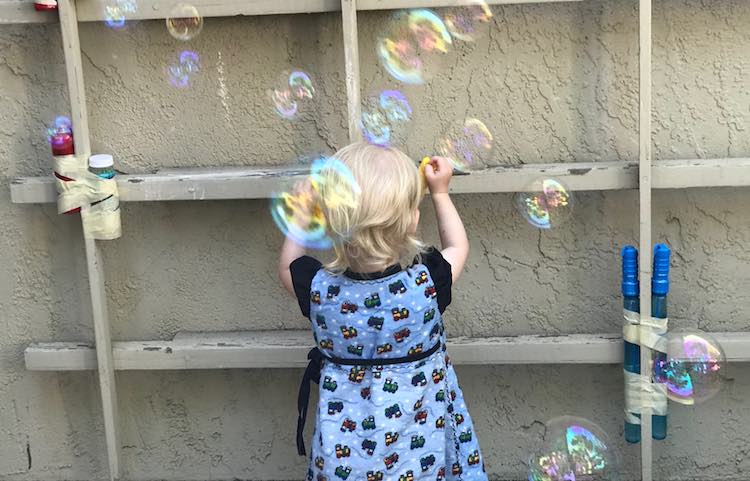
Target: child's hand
{"type": "Point", "coordinates": [301, 203]}
{"type": "Point", "coordinates": [438, 174]}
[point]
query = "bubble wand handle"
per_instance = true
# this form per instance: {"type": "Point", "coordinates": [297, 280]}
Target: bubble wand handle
{"type": "Point", "coordinates": [632, 351]}
{"type": "Point", "coordinates": [659, 291]}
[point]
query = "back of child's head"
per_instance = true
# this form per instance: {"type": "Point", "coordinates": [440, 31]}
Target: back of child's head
{"type": "Point", "coordinates": [378, 229]}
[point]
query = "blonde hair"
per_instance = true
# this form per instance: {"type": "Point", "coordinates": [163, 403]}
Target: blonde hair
{"type": "Point", "coordinates": [378, 228]}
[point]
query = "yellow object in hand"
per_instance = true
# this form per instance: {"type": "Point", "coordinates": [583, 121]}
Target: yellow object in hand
{"type": "Point", "coordinates": [423, 165]}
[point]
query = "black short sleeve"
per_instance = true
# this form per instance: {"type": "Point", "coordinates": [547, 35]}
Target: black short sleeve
{"type": "Point", "coordinates": [303, 270]}
{"type": "Point", "coordinates": [442, 276]}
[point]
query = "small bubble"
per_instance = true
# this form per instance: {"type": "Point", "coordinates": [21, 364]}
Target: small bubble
{"type": "Point", "coordinates": [59, 130]}
{"type": "Point", "coordinates": [384, 118]}
{"type": "Point", "coordinates": [291, 93]}
{"type": "Point", "coordinates": [413, 46]}
{"type": "Point", "coordinates": [184, 22]}
{"type": "Point", "coordinates": [574, 448]}
{"type": "Point", "coordinates": [181, 72]}
{"type": "Point", "coordinates": [690, 365]}
{"type": "Point", "coordinates": [467, 146]}
{"type": "Point", "coordinates": [546, 203]}
{"type": "Point", "coordinates": [468, 23]}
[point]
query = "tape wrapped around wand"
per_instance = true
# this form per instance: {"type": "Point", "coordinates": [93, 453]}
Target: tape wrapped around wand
{"type": "Point", "coordinates": [98, 198]}
{"type": "Point", "coordinates": [645, 332]}
{"type": "Point", "coordinates": [640, 391]}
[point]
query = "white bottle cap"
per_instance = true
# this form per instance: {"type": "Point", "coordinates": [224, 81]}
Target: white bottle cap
{"type": "Point", "coordinates": [101, 161]}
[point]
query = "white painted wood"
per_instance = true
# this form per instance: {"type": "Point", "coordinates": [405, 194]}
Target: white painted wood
{"type": "Point", "coordinates": [398, 4]}
{"type": "Point", "coordinates": [79, 118]}
{"type": "Point", "coordinates": [351, 67]}
{"type": "Point", "coordinates": [644, 191]}
{"type": "Point", "coordinates": [22, 11]}
{"type": "Point", "coordinates": [92, 10]}
{"type": "Point", "coordinates": [678, 174]}
{"type": "Point", "coordinates": [288, 349]}
{"type": "Point", "coordinates": [252, 183]}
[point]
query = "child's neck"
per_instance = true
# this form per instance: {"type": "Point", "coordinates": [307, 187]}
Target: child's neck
{"type": "Point", "coordinates": [366, 266]}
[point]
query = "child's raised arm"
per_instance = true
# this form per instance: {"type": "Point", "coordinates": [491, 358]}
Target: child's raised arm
{"type": "Point", "coordinates": [452, 233]}
{"type": "Point", "coordinates": [291, 250]}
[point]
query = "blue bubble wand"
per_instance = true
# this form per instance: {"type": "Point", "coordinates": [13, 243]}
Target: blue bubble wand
{"type": "Point", "coordinates": [659, 290]}
{"type": "Point", "coordinates": [632, 351]}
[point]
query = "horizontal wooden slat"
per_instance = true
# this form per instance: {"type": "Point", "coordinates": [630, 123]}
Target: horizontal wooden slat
{"type": "Point", "coordinates": [251, 183]}
{"type": "Point", "coordinates": [22, 11]}
{"type": "Point", "coordinates": [676, 174]}
{"type": "Point", "coordinates": [288, 349]}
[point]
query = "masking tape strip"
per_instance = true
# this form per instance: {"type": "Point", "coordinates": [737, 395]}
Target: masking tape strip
{"type": "Point", "coordinates": [98, 198]}
{"type": "Point", "coordinates": [631, 334]}
{"type": "Point", "coordinates": [646, 331]}
{"type": "Point", "coordinates": [641, 393]}
{"type": "Point", "coordinates": [102, 223]}
{"type": "Point", "coordinates": [72, 194]}
{"type": "Point", "coordinates": [630, 327]}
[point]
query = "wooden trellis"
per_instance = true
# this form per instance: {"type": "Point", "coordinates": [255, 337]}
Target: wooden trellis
{"type": "Point", "coordinates": [281, 349]}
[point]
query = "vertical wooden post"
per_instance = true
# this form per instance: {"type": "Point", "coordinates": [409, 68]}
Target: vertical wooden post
{"type": "Point", "coordinates": [79, 118]}
{"type": "Point", "coordinates": [351, 58]}
{"type": "Point", "coordinates": [644, 189]}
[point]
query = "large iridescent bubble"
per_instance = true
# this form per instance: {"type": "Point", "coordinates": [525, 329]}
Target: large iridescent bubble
{"type": "Point", "coordinates": [384, 118]}
{"type": "Point", "coordinates": [299, 212]}
{"type": "Point", "coordinates": [690, 365]}
{"type": "Point", "coordinates": [468, 23]}
{"type": "Point", "coordinates": [545, 203]}
{"type": "Point", "coordinates": [467, 146]}
{"type": "Point", "coordinates": [414, 45]}
{"type": "Point", "coordinates": [293, 91]}
{"type": "Point", "coordinates": [574, 449]}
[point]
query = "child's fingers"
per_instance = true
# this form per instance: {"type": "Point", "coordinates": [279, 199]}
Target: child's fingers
{"type": "Point", "coordinates": [441, 164]}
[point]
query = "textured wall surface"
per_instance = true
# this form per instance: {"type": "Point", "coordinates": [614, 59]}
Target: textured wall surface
{"type": "Point", "coordinates": [552, 82]}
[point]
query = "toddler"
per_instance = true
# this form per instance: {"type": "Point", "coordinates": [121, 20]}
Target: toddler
{"type": "Point", "coordinates": [389, 404]}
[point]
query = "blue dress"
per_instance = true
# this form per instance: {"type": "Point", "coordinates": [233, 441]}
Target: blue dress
{"type": "Point", "coordinates": [378, 422]}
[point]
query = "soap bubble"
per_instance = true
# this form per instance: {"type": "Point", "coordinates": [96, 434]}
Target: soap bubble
{"type": "Point", "coordinates": [413, 47]}
{"type": "Point", "coordinates": [184, 69]}
{"type": "Point", "coordinates": [468, 23]}
{"type": "Point", "coordinates": [546, 203]}
{"type": "Point", "coordinates": [467, 146]}
{"type": "Point", "coordinates": [301, 85]}
{"type": "Point", "coordinates": [299, 212]}
{"type": "Point", "coordinates": [59, 130]}
{"type": "Point", "coordinates": [117, 11]}
{"type": "Point", "coordinates": [574, 449]}
{"type": "Point", "coordinates": [184, 22]}
{"type": "Point", "coordinates": [689, 364]}
{"type": "Point", "coordinates": [292, 91]}
{"type": "Point", "coordinates": [384, 118]}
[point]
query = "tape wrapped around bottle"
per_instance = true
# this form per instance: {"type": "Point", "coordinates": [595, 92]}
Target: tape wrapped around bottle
{"type": "Point", "coordinates": [644, 332]}
{"type": "Point", "coordinates": [640, 391]}
{"type": "Point", "coordinates": [98, 198]}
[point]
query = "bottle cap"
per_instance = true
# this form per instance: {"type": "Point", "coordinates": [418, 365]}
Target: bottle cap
{"type": "Point", "coordinates": [630, 271]}
{"type": "Point", "coordinates": [660, 275]}
{"type": "Point", "coordinates": [62, 144]}
{"type": "Point", "coordinates": [101, 161]}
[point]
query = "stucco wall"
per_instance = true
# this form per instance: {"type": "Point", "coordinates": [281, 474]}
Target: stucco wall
{"type": "Point", "coordinates": [552, 82]}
